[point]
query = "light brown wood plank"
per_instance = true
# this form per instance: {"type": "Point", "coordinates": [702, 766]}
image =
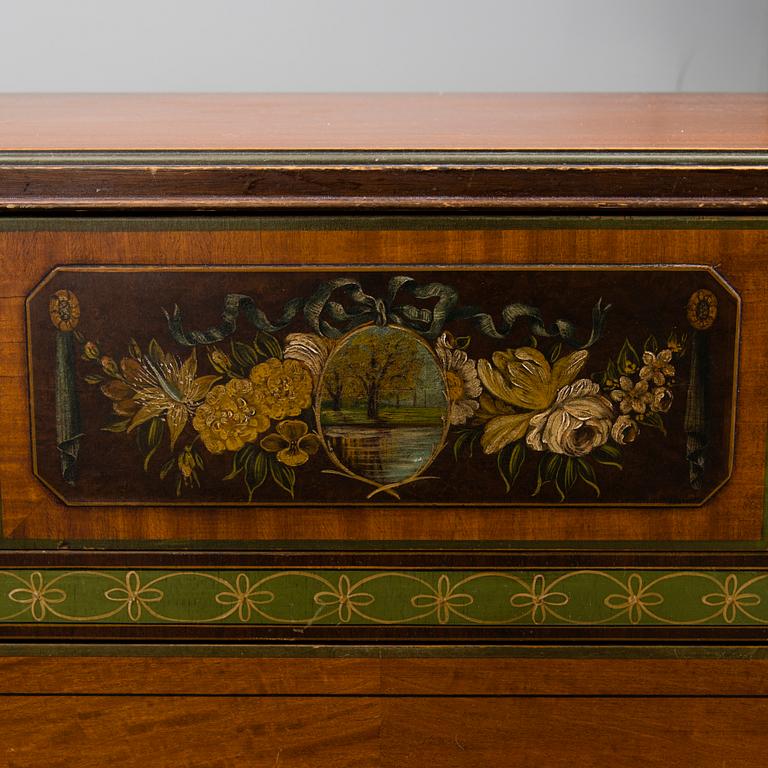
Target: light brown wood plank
{"type": "Point", "coordinates": [383, 121]}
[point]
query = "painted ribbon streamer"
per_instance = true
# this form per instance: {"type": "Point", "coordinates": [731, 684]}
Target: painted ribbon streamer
{"type": "Point", "coordinates": [64, 310]}
{"type": "Point", "coordinates": [332, 318]}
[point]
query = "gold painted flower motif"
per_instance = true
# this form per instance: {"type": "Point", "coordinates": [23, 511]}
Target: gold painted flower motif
{"type": "Point", "coordinates": [732, 599]}
{"type": "Point", "coordinates": [284, 387]}
{"type": "Point", "coordinates": [64, 310]}
{"type": "Point", "coordinates": [158, 385]}
{"type": "Point", "coordinates": [37, 595]}
{"type": "Point", "coordinates": [522, 383]}
{"type": "Point", "coordinates": [444, 600]}
{"type": "Point", "coordinates": [540, 598]}
{"type": "Point", "coordinates": [345, 599]}
{"type": "Point", "coordinates": [311, 350]}
{"type": "Point", "coordinates": [463, 383]}
{"type": "Point", "coordinates": [232, 415]}
{"type": "Point", "coordinates": [579, 421]}
{"type": "Point", "coordinates": [244, 597]}
{"type": "Point", "coordinates": [635, 601]}
{"type": "Point", "coordinates": [134, 596]}
{"type": "Point", "coordinates": [702, 309]}
{"type": "Point", "coordinates": [292, 442]}
{"type": "Point", "coordinates": [633, 397]}
{"type": "Point", "coordinates": [657, 367]}
{"type": "Point", "coordinates": [624, 430]}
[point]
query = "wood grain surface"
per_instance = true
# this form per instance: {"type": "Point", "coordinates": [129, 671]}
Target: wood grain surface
{"type": "Point", "coordinates": [366, 713]}
{"type": "Point", "coordinates": [384, 121]}
{"type": "Point", "coordinates": [734, 514]}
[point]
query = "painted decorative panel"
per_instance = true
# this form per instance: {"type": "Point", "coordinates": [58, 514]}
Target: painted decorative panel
{"type": "Point", "coordinates": [415, 385]}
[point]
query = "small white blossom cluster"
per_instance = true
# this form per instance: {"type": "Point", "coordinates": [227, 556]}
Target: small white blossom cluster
{"type": "Point", "coordinates": [649, 393]}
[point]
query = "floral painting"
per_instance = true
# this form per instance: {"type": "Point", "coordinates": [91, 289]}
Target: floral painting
{"type": "Point", "coordinates": [503, 387]}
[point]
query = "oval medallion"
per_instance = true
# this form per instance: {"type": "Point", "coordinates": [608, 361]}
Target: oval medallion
{"type": "Point", "coordinates": [382, 405]}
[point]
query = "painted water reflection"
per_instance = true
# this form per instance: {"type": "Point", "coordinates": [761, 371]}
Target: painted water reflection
{"type": "Point", "coordinates": [384, 455]}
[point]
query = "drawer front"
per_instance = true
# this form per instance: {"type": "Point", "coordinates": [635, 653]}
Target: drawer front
{"type": "Point", "coordinates": [433, 427]}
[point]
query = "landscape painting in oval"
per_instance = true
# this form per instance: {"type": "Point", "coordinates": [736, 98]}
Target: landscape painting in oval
{"type": "Point", "coordinates": [382, 405]}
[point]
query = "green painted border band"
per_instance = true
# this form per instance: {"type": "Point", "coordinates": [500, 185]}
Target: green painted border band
{"type": "Point", "coordinates": [298, 651]}
{"type": "Point", "coordinates": [387, 598]}
{"type": "Point", "coordinates": [383, 158]}
{"type": "Point", "coordinates": [334, 223]}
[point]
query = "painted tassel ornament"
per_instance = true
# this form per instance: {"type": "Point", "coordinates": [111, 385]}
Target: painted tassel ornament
{"type": "Point", "coordinates": [64, 309]}
{"type": "Point", "coordinates": [702, 312]}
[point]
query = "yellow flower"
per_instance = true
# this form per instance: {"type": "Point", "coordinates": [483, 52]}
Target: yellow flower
{"type": "Point", "coordinates": [284, 386]}
{"type": "Point", "coordinates": [64, 309]}
{"type": "Point", "coordinates": [158, 385]}
{"type": "Point", "coordinates": [291, 443]}
{"type": "Point", "coordinates": [232, 415]}
{"type": "Point", "coordinates": [521, 380]}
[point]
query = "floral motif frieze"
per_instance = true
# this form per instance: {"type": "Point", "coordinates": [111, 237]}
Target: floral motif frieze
{"type": "Point", "coordinates": [504, 387]}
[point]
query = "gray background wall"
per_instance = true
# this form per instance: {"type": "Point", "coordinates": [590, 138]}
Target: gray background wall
{"type": "Point", "coordinates": [388, 45]}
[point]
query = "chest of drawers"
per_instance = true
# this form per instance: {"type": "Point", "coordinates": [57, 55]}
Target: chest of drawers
{"type": "Point", "coordinates": [396, 386]}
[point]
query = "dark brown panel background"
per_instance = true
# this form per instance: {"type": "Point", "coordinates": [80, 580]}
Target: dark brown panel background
{"type": "Point", "coordinates": [118, 306]}
{"type": "Point", "coordinates": [735, 513]}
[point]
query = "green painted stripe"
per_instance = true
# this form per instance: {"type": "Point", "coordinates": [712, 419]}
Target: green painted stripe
{"type": "Point", "coordinates": [111, 650]}
{"type": "Point", "coordinates": [417, 598]}
{"type": "Point", "coordinates": [433, 158]}
{"type": "Point", "coordinates": [332, 223]}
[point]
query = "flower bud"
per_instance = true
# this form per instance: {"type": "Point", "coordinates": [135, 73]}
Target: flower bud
{"type": "Point", "coordinates": [109, 366]}
{"type": "Point", "coordinates": [91, 351]}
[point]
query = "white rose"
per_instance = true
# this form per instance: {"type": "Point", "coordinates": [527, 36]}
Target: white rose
{"type": "Point", "coordinates": [579, 421]}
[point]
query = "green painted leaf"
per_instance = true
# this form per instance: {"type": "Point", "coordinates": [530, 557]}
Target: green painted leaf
{"type": "Point", "coordinates": [516, 460]}
{"type": "Point", "coordinates": [256, 472]}
{"type": "Point", "coordinates": [655, 421]}
{"type": "Point", "coordinates": [269, 344]}
{"type": "Point", "coordinates": [651, 344]}
{"type": "Point", "coordinates": [118, 426]}
{"type": "Point", "coordinates": [628, 360]}
{"type": "Point", "coordinates": [609, 451]}
{"type": "Point", "coordinates": [500, 466]}
{"type": "Point", "coordinates": [244, 354]}
{"type": "Point", "coordinates": [156, 351]}
{"type": "Point", "coordinates": [283, 476]}
{"type": "Point", "coordinates": [587, 475]}
{"type": "Point", "coordinates": [569, 473]}
{"type": "Point", "coordinates": [465, 436]}
{"type": "Point", "coordinates": [240, 459]}
{"type": "Point", "coordinates": [167, 467]}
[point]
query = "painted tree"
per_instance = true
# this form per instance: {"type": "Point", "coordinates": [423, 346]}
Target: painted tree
{"type": "Point", "coordinates": [374, 365]}
{"type": "Point", "coordinates": [334, 385]}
